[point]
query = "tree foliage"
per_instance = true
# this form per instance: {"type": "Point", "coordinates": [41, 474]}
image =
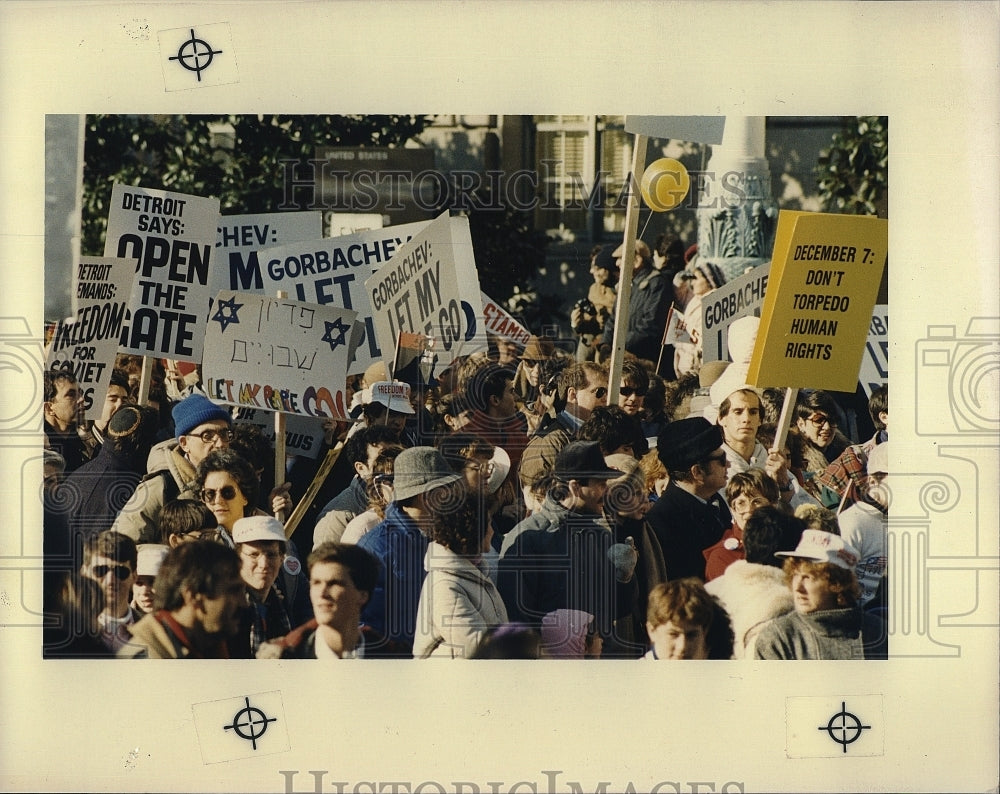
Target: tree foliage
{"type": "Point", "coordinates": [180, 153]}
{"type": "Point", "coordinates": [853, 174]}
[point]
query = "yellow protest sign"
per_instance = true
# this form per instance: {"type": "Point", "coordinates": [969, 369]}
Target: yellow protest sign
{"type": "Point", "coordinates": [824, 281]}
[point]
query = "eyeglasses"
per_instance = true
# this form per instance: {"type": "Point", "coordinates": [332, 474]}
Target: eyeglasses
{"type": "Point", "coordinates": [485, 467]}
{"type": "Point", "coordinates": [628, 391]}
{"type": "Point", "coordinates": [226, 492]}
{"type": "Point", "coordinates": [743, 502]}
{"type": "Point", "coordinates": [819, 420]}
{"type": "Point", "coordinates": [213, 535]}
{"type": "Point", "coordinates": [531, 362]}
{"type": "Point", "coordinates": [600, 392]}
{"type": "Point", "coordinates": [271, 556]}
{"type": "Point", "coordinates": [383, 479]}
{"type": "Point", "coordinates": [122, 572]}
{"type": "Point", "coordinates": [211, 436]}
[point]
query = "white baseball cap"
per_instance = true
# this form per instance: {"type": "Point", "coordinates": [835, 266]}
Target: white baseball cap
{"type": "Point", "coordinates": [820, 546]}
{"type": "Point", "coordinates": [254, 528]}
{"type": "Point", "coordinates": [393, 394]}
{"type": "Point", "coordinates": [150, 558]}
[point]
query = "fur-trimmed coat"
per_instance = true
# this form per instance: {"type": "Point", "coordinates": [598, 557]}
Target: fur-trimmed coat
{"type": "Point", "coordinates": [752, 594]}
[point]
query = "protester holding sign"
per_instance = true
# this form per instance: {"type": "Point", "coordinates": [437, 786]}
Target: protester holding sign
{"type": "Point", "coordinates": [816, 419]}
{"type": "Point", "coordinates": [649, 302]}
{"type": "Point", "coordinates": [707, 277]}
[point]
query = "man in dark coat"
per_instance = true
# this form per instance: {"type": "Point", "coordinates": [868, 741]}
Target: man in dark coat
{"type": "Point", "coordinates": [649, 302]}
{"type": "Point", "coordinates": [568, 559]}
{"type": "Point", "coordinates": [690, 515]}
{"type": "Point", "coordinates": [95, 493]}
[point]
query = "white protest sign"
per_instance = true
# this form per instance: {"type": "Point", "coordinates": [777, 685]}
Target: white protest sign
{"type": "Point", "coordinates": [497, 321]}
{"type": "Point", "coordinates": [171, 237]}
{"type": "Point", "coordinates": [332, 272]}
{"type": "Point", "coordinates": [88, 345]}
{"type": "Point", "coordinates": [473, 339]}
{"type": "Point", "coordinates": [741, 297]}
{"type": "Point", "coordinates": [675, 333]}
{"type": "Point", "coordinates": [303, 434]}
{"type": "Point", "coordinates": [352, 222]}
{"type": "Point", "coordinates": [418, 292]}
{"type": "Point", "coordinates": [278, 354]}
{"type": "Point", "coordinates": [240, 237]}
{"type": "Point", "coordinates": [875, 362]}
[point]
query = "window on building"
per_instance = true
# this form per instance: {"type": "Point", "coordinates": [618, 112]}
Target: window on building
{"type": "Point", "coordinates": [582, 163]}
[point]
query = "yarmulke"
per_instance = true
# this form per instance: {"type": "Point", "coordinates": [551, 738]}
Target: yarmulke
{"type": "Point", "coordinates": [126, 421]}
{"type": "Point", "coordinates": [686, 442]}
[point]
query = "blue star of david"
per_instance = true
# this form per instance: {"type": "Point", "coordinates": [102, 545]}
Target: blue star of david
{"type": "Point", "coordinates": [227, 318]}
{"type": "Point", "coordinates": [340, 329]}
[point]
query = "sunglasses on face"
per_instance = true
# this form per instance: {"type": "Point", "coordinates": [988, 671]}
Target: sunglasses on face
{"type": "Point", "coordinates": [628, 391]}
{"type": "Point", "coordinates": [226, 492]}
{"type": "Point", "coordinates": [122, 572]}
{"type": "Point", "coordinates": [818, 421]}
{"type": "Point", "coordinates": [204, 534]}
{"type": "Point", "coordinates": [718, 458]}
{"type": "Point", "coordinates": [530, 362]}
{"type": "Point", "coordinates": [211, 436]}
{"type": "Point", "coordinates": [383, 479]}
{"type": "Point", "coordinates": [600, 392]}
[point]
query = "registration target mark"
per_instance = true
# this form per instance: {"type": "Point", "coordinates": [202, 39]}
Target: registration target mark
{"type": "Point", "coordinates": [197, 56]}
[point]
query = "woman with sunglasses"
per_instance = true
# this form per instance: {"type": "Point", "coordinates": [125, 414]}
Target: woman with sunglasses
{"type": "Point", "coordinates": [228, 484]}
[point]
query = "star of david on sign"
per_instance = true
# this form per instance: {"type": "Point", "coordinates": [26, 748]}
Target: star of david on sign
{"type": "Point", "coordinates": [226, 314]}
{"type": "Point", "coordinates": [337, 327]}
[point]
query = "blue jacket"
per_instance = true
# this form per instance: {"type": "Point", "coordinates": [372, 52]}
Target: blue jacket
{"type": "Point", "coordinates": [400, 546]}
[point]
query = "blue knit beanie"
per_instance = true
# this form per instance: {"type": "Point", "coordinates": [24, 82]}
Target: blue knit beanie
{"type": "Point", "coordinates": [195, 410]}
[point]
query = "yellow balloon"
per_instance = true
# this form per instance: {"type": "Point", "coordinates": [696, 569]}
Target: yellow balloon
{"type": "Point", "coordinates": [664, 184]}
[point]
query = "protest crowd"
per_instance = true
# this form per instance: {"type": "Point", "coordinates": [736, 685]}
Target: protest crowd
{"type": "Point", "coordinates": [500, 507]}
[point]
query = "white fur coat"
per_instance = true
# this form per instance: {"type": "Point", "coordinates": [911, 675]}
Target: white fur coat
{"type": "Point", "coordinates": [752, 594]}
